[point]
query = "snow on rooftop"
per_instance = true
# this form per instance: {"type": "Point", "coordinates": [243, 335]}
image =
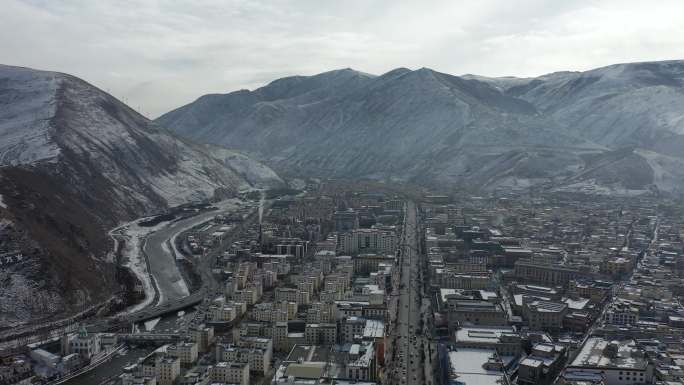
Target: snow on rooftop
{"type": "Point", "coordinates": [481, 334]}
{"type": "Point", "coordinates": [577, 304]}
{"type": "Point", "coordinates": [593, 354]}
{"type": "Point", "coordinates": [374, 329]}
{"type": "Point", "coordinates": [467, 366]}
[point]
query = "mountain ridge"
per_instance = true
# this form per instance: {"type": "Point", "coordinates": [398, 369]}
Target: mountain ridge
{"type": "Point", "coordinates": [436, 128]}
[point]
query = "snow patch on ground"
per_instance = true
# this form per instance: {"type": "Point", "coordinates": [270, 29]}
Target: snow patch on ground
{"type": "Point", "coordinates": [23, 299]}
{"type": "Point", "coordinates": [2, 202]}
{"type": "Point", "coordinates": [27, 104]}
{"type": "Point", "coordinates": [591, 186]}
{"type": "Point", "coordinates": [256, 173]}
{"type": "Point", "coordinates": [133, 234]}
{"type": "Point", "coordinates": [297, 183]}
{"type": "Point", "coordinates": [150, 325]}
{"type": "Point", "coordinates": [668, 172]}
{"type": "Point", "coordinates": [162, 297]}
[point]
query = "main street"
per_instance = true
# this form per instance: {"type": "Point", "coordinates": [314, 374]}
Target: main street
{"type": "Point", "coordinates": [410, 337]}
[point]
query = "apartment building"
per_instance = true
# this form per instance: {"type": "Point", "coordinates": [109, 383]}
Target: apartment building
{"type": "Point", "coordinates": [231, 373]}
{"type": "Point", "coordinates": [546, 274]}
{"type": "Point", "coordinates": [320, 334]}
{"type": "Point", "coordinates": [544, 315]}
{"type": "Point", "coordinates": [168, 370]}
{"type": "Point", "coordinates": [367, 240]}
{"type": "Point", "coordinates": [187, 352]}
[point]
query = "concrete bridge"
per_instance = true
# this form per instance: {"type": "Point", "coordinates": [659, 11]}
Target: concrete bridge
{"type": "Point", "coordinates": [146, 314]}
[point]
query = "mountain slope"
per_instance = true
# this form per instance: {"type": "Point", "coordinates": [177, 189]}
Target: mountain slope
{"type": "Point", "coordinates": [74, 162]}
{"type": "Point", "coordinates": [636, 104]}
{"type": "Point", "coordinates": [405, 124]}
{"type": "Point", "coordinates": [472, 131]}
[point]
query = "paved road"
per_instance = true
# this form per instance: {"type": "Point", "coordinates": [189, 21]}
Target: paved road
{"type": "Point", "coordinates": [410, 334]}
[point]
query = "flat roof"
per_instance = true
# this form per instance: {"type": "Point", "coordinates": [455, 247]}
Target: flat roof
{"type": "Point", "coordinates": [532, 362]}
{"type": "Point", "coordinates": [307, 353]}
{"type": "Point", "coordinates": [592, 355]}
{"type": "Point", "coordinates": [488, 295]}
{"type": "Point", "coordinates": [466, 366]}
{"type": "Point", "coordinates": [537, 288]}
{"type": "Point", "coordinates": [482, 334]}
{"type": "Point", "coordinates": [445, 292]}
{"type": "Point", "coordinates": [374, 329]}
{"type": "Point", "coordinates": [547, 306]}
{"type": "Point", "coordinates": [577, 304]}
{"type": "Point", "coordinates": [309, 370]}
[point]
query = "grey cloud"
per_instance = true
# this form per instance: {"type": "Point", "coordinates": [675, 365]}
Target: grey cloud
{"type": "Point", "coordinates": [161, 54]}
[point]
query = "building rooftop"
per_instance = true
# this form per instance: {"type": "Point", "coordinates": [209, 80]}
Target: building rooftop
{"type": "Point", "coordinates": [537, 288]}
{"type": "Point", "coordinates": [600, 353]}
{"type": "Point", "coordinates": [467, 367]}
{"type": "Point", "coordinates": [307, 353]}
{"type": "Point", "coordinates": [532, 362]}
{"type": "Point", "coordinates": [482, 334]}
{"type": "Point", "coordinates": [374, 329]}
{"type": "Point", "coordinates": [311, 370]}
{"type": "Point", "coordinates": [547, 306]}
{"type": "Point", "coordinates": [577, 304]}
{"type": "Point", "coordinates": [364, 360]}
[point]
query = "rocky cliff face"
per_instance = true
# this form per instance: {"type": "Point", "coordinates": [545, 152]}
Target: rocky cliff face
{"type": "Point", "coordinates": [570, 130]}
{"type": "Point", "coordinates": [74, 162]}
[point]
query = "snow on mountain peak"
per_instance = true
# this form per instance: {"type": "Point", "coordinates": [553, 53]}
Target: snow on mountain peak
{"type": "Point", "coordinates": [27, 104]}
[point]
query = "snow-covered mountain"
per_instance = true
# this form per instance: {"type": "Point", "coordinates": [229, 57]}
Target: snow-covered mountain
{"type": "Point", "coordinates": [637, 104]}
{"type": "Point", "coordinates": [568, 130]}
{"type": "Point", "coordinates": [75, 161]}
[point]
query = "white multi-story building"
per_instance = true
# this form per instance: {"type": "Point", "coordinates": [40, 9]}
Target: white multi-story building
{"type": "Point", "coordinates": [249, 295]}
{"type": "Point", "coordinates": [85, 344]}
{"type": "Point", "coordinates": [277, 267]}
{"type": "Point", "coordinates": [616, 362]}
{"type": "Point", "coordinates": [222, 312]}
{"type": "Point", "coordinates": [451, 280]}
{"type": "Point", "coordinates": [265, 312]}
{"type": "Point", "coordinates": [204, 336]}
{"type": "Point", "coordinates": [231, 373]}
{"type": "Point", "coordinates": [621, 314]}
{"type": "Point", "coordinates": [292, 295]}
{"type": "Point", "coordinates": [367, 240]}
{"type": "Point", "coordinates": [280, 337]}
{"type": "Point", "coordinates": [352, 328]}
{"type": "Point", "coordinates": [186, 351]}
{"type": "Point", "coordinates": [259, 360]}
{"type": "Point", "coordinates": [361, 366]}
{"type": "Point", "coordinates": [544, 315]}
{"type": "Point", "coordinates": [131, 379]}
{"type": "Point", "coordinates": [322, 312]}
{"type": "Point", "coordinates": [168, 369]}
{"type": "Point", "coordinates": [320, 334]}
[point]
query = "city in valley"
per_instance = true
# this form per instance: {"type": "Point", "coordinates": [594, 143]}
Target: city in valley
{"type": "Point", "coordinates": [346, 283]}
{"type": "Point", "coordinates": [385, 192]}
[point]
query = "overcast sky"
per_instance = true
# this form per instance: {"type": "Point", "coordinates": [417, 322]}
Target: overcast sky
{"type": "Point", "coordinates": [158, 55]}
